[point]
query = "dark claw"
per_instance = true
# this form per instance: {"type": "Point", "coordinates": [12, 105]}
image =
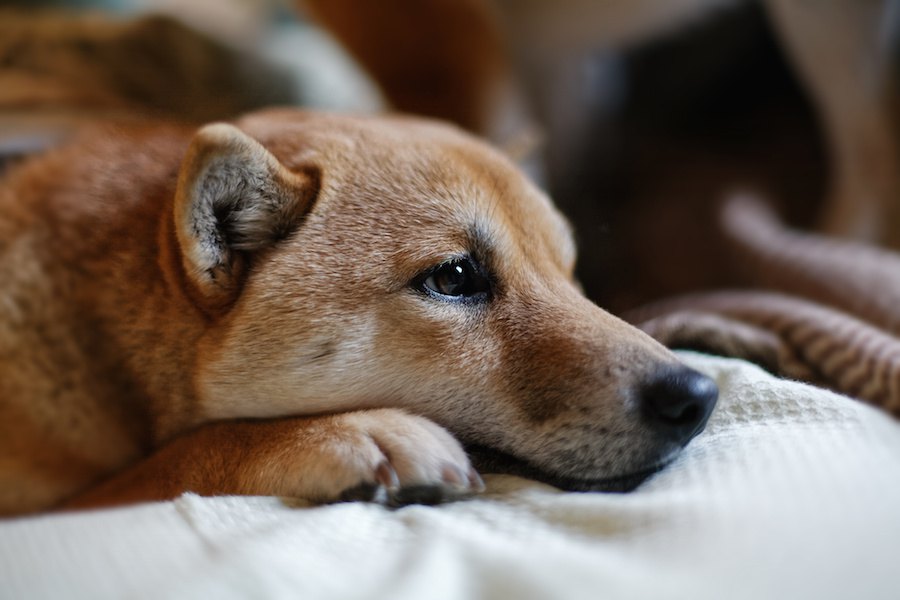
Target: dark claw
{"type": "Point", "coordinates": [364, 492]}
{"type": "Point", "coordinates": [419, 494]}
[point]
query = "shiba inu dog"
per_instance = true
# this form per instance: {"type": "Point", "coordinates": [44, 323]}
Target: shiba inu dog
{"type": "Point", "coordinates": [310, 305]}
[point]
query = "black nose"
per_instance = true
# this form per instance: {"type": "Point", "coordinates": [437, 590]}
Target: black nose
{"type": "Point", "coordinates": [678, 402]}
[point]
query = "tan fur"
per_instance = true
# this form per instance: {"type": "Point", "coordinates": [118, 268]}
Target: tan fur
{"type": "Point", "coordinates": [161, 286]}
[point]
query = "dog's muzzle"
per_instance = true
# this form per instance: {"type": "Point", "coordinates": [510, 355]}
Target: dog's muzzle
{"type": "Point", "coordinates": [675, 405]}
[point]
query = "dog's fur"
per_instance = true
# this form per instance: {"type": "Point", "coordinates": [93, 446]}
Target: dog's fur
{"type": "Point", "coordinates": [161, 287]}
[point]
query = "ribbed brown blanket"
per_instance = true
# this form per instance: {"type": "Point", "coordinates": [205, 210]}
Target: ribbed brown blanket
{"type": "Point", "coordinates": [820, 310]}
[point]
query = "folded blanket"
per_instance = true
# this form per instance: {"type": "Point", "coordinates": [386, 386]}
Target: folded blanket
{"type": "Point", "coordinates": [819, 309]}
{"type": "Point", "coordinates": [792, 492]}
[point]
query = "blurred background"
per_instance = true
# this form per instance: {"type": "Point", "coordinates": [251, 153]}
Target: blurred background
{"type": "Point", "coordinates": [639, 118]}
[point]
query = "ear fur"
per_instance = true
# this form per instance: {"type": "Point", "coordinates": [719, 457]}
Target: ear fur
{"type": "Point", "coordinates": [233, 197]}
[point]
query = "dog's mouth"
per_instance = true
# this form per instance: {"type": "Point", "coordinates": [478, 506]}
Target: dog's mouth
{"type": "Point", "coordinates": [491, 460]}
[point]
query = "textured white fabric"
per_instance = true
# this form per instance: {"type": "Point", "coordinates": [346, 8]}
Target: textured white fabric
{"type": "Point", "coordinates": [792, 492]}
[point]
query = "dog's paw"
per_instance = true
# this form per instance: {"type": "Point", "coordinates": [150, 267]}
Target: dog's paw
{"type": "Point", "coordinates": [385, 456]}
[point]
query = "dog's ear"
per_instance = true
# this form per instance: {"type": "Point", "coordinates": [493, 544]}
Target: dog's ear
{"type": "Point", "coordinates": [233, 198]}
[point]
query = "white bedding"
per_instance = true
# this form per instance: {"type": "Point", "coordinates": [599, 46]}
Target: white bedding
{"type": "Point", "coordinates": [792, 492]}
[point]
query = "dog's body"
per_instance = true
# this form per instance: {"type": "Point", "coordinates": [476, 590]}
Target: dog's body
{"type": "Point", "coordinates": [161, 286]}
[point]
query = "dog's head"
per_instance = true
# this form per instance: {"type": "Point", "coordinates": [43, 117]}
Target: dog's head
{"type": "Point", "coordinates": [360, 262]}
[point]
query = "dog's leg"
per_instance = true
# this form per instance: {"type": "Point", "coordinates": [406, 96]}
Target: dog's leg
{"type": "Point", "coordinates": [842, 53]}
{"type": "Point", "coordinates": [383, 455]}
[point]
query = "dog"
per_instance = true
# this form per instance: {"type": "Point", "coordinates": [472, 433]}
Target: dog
{"type": "Point", "coordinates": [309, 305]}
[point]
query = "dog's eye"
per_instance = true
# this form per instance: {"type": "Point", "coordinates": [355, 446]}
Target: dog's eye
{"type": "Point", "coordinates": [457, 279]}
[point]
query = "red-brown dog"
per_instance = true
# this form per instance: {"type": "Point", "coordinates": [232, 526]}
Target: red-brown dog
{"type": "Point", "coordinates": [368, 281]}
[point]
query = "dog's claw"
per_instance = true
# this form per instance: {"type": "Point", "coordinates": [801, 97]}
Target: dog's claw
{"type": "Point", "coordinates": [476, 483]}
{"type": "Point", "coordinates": [420, 494]}
{"type": "Point", "coordinates": [364, 492]}
{"type": "Point", "coordinates": [386, 475]}
{"type": "Point", "coordinates": [456, 484]}
{"type": "Point", "coordinates": [454, 476]}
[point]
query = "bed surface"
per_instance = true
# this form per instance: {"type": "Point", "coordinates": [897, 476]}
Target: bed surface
{"type": "Point", "coordinates": [792, 492]}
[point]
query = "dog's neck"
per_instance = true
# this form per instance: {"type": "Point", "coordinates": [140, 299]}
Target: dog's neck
{"type": "Point", "coordinates": [134, 315]}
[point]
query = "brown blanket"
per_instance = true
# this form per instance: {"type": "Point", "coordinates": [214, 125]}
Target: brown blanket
{"type": "Point", "coordinates": [821, 310]}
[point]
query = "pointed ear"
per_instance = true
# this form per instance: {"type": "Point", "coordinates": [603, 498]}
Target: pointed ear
{"type": "Point", "coordinates": [233, 197]}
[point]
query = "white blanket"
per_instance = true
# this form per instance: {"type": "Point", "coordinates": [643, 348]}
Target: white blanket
{"type": "Point", "coordinates": [792, 492]}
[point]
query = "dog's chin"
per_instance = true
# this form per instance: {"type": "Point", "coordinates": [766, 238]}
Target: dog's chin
{"type": "Point", "coordinates": [490, 460]}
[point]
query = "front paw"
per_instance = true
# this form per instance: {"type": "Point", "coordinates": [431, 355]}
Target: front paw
{"type": "Point", "coordinates": [385, 456]}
